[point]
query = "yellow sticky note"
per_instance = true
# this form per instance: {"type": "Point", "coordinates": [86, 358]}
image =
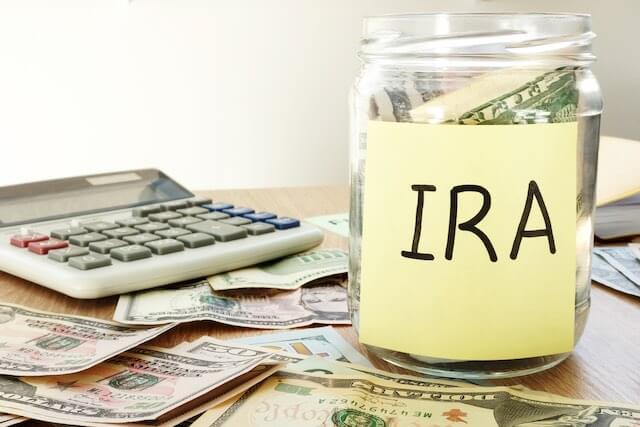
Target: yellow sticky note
{"type": "Point", "coordinates": [495, 209]}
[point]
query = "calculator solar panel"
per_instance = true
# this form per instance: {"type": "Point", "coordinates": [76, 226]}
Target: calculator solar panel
{"type": "Point", "coordinates": [101, 235]}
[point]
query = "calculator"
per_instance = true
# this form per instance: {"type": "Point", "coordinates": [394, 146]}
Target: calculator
{"type": "Point", "coordinates": [100, 235]}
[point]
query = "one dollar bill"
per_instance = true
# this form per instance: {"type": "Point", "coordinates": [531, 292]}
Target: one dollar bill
{"type": "Point", "coordinates": [39, 343]}
{"type": "Point", "coordinates": [255, 308]}
{"type": "Point", "coordinates": [293, 399]}
{"type": "Point", "coordinates": [287, 273]}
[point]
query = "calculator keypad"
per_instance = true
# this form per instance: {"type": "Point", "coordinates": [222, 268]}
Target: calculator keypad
{"type": "Point", "coordinates": [151, 230]}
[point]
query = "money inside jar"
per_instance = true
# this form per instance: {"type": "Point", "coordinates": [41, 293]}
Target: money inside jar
{"type": "Point", "coordinates": [474, 148]}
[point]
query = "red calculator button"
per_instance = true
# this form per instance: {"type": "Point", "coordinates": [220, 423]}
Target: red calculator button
{"type": "Point", "coordinates": [43, 247]}
{"type": "Point", "coordinates": [23, 240]}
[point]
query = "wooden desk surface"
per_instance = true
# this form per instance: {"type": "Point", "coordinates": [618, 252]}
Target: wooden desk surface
{"type": "Point", "coordinates": [604, 366]}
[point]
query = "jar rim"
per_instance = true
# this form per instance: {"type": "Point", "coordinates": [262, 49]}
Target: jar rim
{"type": "Point", "coordinates": [514, 36]}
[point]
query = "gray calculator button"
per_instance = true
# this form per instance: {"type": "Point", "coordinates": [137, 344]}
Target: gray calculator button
{"type": "Point", "coordinates": [106, 245]}
{"type": "Point", "coordinates": [214, 216]}
{"type": "Point", "coordinates": [257, 228]}
{"type": "Point", "coordinates": [198, 201]}
{"type": "Point", "coordinates": [173, 206]}
{"type": "Point", "coordinates": [197, 240]}
{"type": "Point", "coordinates": [164, 216]}
{"type": "Point", "coordinates": [183, 222]}
{"type": "Point", "coordinates": [172, 233]}
{"type": "Point", "coordinates": [236, 220]}
{"type": "Point", "coordinates": [84, 239]}
{"type": "Point", "coordinates": [145, 211]}
{"type": "Point", "coordinates": [193, 211]}
{"type": "Point", "coordinates": [141, 239]}
{"type": "Point", "coordinates": [63, 255]}
{"type": "Point", "coordinates": [118, 233]}
{"type": "Point", "coordinates": [222, 232]}
{"type": "Point", "coordinates": [87, 262]}
{"type": "Point", "coordinates": [165, 246]}
{"type": "Point", "coordinates": [131, 253]}
{"type": "Point", "coordinates": [151, 227]}
{"type": "Point", "coordinates": [99, 225]}
{"type": "Point", "coordinates": [130, 222]}
{"type": "Point", "coordinates": [65, 233]}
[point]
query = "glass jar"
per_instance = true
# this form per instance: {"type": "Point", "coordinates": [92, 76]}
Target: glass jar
{"type": "Point", "coordinates": [437, 75]}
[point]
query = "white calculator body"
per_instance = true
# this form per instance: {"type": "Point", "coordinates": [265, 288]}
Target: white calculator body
{"type": "Point", "coordinates": [107, 234]}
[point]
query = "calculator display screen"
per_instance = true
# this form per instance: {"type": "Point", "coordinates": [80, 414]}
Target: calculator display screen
{"type": "Point", "coordinates": [69, 197]}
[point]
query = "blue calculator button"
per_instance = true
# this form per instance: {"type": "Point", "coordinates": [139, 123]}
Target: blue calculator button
{"type": "Point", "coordinates": [259, 216]}
{"type": "Point", "coordinates": [283, 223]}
{"type": "Point", "coordinates": [217, 206]}
{"type": "Point", "coordinates": [238, 211]}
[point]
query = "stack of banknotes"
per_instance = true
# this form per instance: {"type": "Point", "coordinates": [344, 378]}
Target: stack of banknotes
{"type": "Point", "coordinates": [618, 267]}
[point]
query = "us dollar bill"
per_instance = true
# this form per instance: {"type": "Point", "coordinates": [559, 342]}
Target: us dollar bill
{"type": "Point", "coordinates": [321, 342]}
{"type": "Point", "coordinates": [204, 346]}
{"type": "Point", "coordinates": [622, 259]}
{"type": "Point", "coordinates": [607, 275]}
{"type": "Point", "coordinates": [142, 384]}
{"type": "Point", "coordinates": [40, 343]}
{"type": "Point", "coordinates": [506, 97]}
{"type": "Point", "coordinates": [287, 273]}
{"type": "Point", "coordinates": [255, 308]}
{"type": "Point", "coordinates": [292, 399]}
{"type": "Point", "coordinates": [322, 366]}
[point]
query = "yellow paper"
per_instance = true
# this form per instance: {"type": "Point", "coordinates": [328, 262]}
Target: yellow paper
{"type": "Point", "coordinates": [469, 307]}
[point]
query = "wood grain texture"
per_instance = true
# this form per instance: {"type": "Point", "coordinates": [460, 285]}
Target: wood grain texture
{"type": "Point", "coordinates": [604, 366]}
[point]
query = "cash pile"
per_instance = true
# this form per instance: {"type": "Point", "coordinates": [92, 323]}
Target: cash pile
{"type": "Point", "coordinates": [618, 267]}
{"type": "Point", "coordinates": [76, 370]}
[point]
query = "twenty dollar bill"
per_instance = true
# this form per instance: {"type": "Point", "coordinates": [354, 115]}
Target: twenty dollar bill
{"type": "Point", "coordinates": [256, 308]}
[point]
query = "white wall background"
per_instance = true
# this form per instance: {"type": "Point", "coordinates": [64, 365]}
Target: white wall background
{"type": "Point", "coordinates": [222, 94]}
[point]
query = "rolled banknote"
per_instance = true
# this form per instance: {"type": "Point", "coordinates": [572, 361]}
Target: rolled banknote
{"type": "Point", "coordinates": [506, 97]}
{"type": "Point", "coordinates": [292, 399]}
{"type": "Point", "coordinates": [322, 342]}
{"type": "Point", "coordinates": [39, 343]}
{"type": "Point", "coordinates": [142, 384]}
{"type": "Point", "coordinates": [256, 308]}
{"type": "Point", "coordinates": [286, 273]}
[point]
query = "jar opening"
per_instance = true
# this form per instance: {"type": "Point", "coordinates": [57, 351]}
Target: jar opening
{"type": "Point", "coordinates": [504, 36]}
